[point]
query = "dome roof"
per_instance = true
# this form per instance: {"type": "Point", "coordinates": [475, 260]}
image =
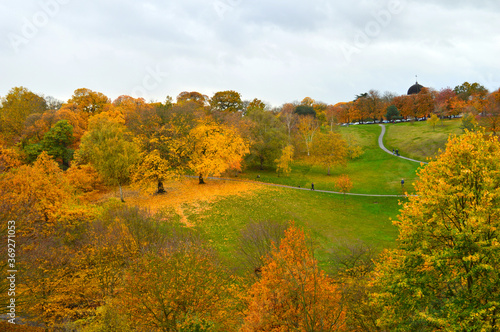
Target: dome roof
{"type": "Point", "coordinates": [414, 89]}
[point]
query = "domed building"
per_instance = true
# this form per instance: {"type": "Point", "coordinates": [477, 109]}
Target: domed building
{"type": "Point", "coordinates": [414, 89]}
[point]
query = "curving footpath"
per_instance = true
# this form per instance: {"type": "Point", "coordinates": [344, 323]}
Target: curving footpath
{"type": "Point", "coordinates": [296, 188]}
{"type": "Point", "coordinates": [381, 144]}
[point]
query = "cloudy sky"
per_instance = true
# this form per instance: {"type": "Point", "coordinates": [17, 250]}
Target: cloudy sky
{"type": "Point", "coordinates": [275, 50]}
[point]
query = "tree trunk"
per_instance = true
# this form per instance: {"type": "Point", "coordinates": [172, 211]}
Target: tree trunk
{"type": "Point", "coordinates": [161, 189]}
{"type": "Point", "coordinates": [328, 170]}
{"type": "Point", "coordinates": [201, 180]}
{"type": "Point", "coordinates": [121, 193]}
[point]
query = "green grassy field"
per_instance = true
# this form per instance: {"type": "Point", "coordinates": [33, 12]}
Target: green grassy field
{"type": "Point", "coordinates": [329, 218]}
{"type": "Point", "coordinates": [420, 140]}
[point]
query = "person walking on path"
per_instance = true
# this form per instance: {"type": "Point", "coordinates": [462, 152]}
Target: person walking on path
{"type": "Point", "coordinates": [312, 186]}
{"type": "Point", "coordinates": [393, 153]}
{"type": "Point", "coordinates": [397, 152]}
{"type": "Point", "coordinates": [402, 183]}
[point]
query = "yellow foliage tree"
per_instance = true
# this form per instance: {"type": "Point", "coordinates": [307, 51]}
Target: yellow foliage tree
{"type": "Point", "coordinates": [284, 161]}
{"type": "Point", "coordinates": [444, 273]}
{"type": "Point", "coordinates": [154, 168]}
{"type": "Point", "coordinates": [329, 149]}
{"type": "Point", "coordinates": [433, 121]}
{"type": "Point", "coordinates": [214, 149]}
{"type": "Point", "coordinates": [293, 293]}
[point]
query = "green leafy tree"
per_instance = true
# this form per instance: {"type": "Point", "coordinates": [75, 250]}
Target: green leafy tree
{"type": "Point", "coordinates": [55, 142]}
{"type": "Point", "coordinates": [444, 274]}
{"type": "Point", "coordinates": [469, 122]}
{"type": "Point", "coordinates": [305, 110]}
{"type": "Point", "coordinates": [108, 147]}
{"type": "Point", "coordinates": [268, 136]}
{"type": "Point", "coordinates": [392, 113]}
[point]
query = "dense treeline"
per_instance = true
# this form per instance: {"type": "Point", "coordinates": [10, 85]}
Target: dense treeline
{"type": "Point", "coordinates": [110, 266]}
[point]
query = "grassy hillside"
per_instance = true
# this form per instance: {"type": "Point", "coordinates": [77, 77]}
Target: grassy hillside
{"type": "Point", "coordinates": [222, 209]}
{"type": "Point", "coordinates": [375, 172]}
{"type": "Point", "coordinates": [420, 140]}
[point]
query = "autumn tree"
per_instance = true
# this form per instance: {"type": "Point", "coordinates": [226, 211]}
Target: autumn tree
{"type": "Point", "coordinates": [307, 128]}
{"type": "Point", "coordinates": [354, 148]}
{"type": "Point", "coordinates": [466, 90]}
{"type": "Point", "coordinates": [108, 147]}
{"type": "Point", "coordinates": [89, 101]}
{"type": "Point", "coordinates": [226, 101]}
{"type": "Point", "coordinates": [343, 184]}
{"type": "Point", "coordinates": [307, 101]}
{"type": "Point", "coordinates": [433, 120]}
{"type": "Point", "coordinates": [214, 149]}
{"type": "Point", "coordinates": [16, 106]}
{"type": "Point", "coordinates": [370, 105]}
{"type": "Point", "coordinates": [284, 161]}
{"type": "Point", "coordinates": [444, 273]}
{"type": "Point", "coordinates": [192, 97]}
{"type": "Point", "coordinates": [140, 117]}
{"type": "Point", "coordinates": [329, 149]}
{"type": "Point", "coordinates": [293, 293]}
{"type": "Point", "coordinates": [255, 105]}
{"type": "Point", "coordinates": [154, 168]}
{"type": "Point", "coordinates": [34, 194]}
{"type": "Point", "coordinates": [491, 117]}
{"type": "Point", "coordinates": [443, 105]}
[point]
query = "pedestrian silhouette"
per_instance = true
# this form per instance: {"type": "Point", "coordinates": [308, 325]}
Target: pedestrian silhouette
{"type": "Point", "coordinates": [312, 186]}
{"type": "Point", "coordinates": [402, 182]}
{"type": "Point", "coordinates": [397, 152]}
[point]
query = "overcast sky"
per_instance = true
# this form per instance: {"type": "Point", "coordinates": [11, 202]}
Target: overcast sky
{"type": "Point", "coordinates": [275, 50]}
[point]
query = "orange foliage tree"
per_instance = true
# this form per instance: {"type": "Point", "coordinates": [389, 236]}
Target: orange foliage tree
{"type": "Point", "coordinates": [293, 293]}
{"type": "Point", "coordinates": [89, 101]}
{"type": "Point", "coordinates": [343, 183]}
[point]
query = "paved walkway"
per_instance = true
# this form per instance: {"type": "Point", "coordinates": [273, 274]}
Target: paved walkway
{"type": "Point", "coordinates": [381, 144]}
{"type": "Point", "coordinates": [296, 188]}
